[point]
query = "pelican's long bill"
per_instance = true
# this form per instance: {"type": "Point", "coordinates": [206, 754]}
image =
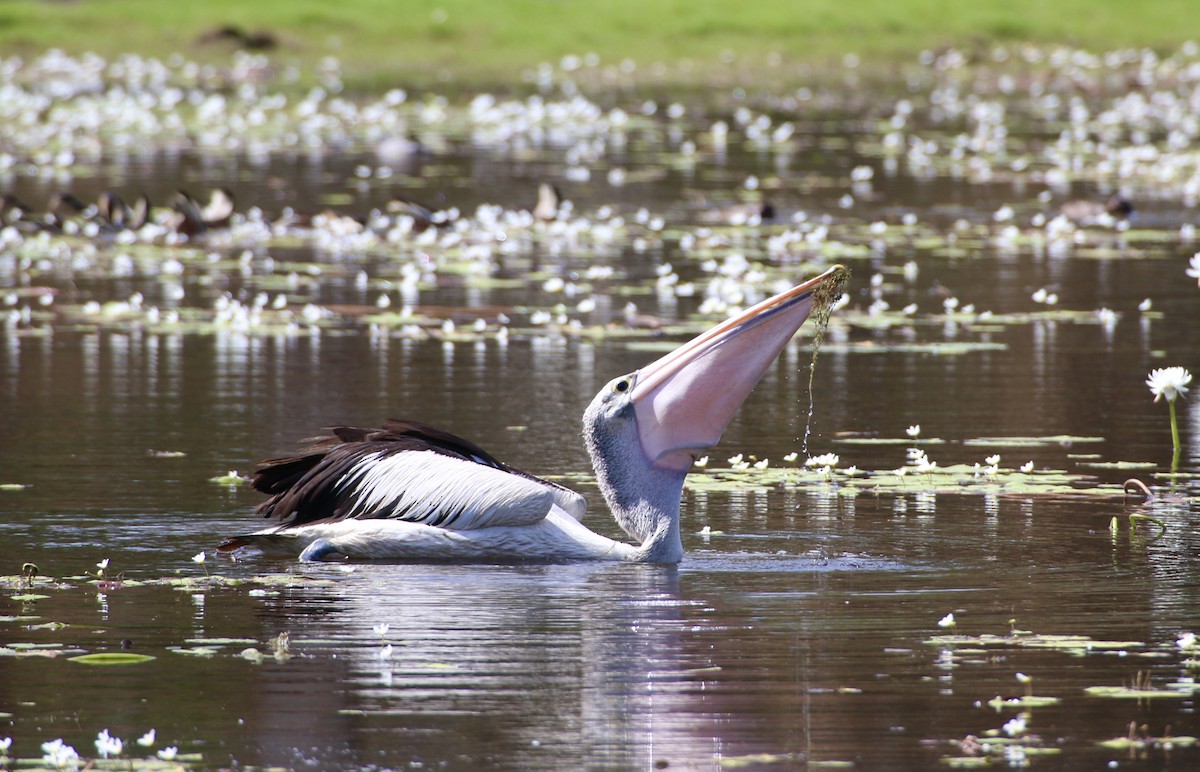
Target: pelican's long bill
{"type": "Point", "coordinates": [684, 400]}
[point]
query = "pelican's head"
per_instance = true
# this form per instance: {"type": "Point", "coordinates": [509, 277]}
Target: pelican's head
{"type": "Point", "coordinates": [650, 425]}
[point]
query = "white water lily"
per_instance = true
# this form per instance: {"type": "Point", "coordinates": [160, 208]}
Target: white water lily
{"type": "Point", "coordinates": [913, 431]}
{"type": "Point", "coordinates": [1015, 726]}
{"type": "Point", "coordinates": [1027, 467]}
{"type": "Point", "coordinates": [5, 744]}
{"type": "Point", "coordinates": [169, 753]}
{"type": "Point", "coordinates": [947, 621]}
{"type": "Point", "coordinates": [1169, 382]}
{"type": "Point", "coordinates": [825, 459]}
{"type": "Point", "coordinates": [992, 460]}
{"type": "Point", "coordinates": [1194, 268]}
{"type": "Point", "coordinates": [59, 755]}
{"type": "Point", "coordinates": [107, 745]}
{"type": "Point", "coordinates": [791, 456]}
{"type": "Point", "coordinates": [147, 739]}
{"type": "Point", "coordinates": [198, 558]}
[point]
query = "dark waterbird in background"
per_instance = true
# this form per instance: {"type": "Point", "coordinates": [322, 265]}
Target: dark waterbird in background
{"type": "Point", "coordinates": [1084, 212]}
{"type": "Point", "coordinates": [410, 491]}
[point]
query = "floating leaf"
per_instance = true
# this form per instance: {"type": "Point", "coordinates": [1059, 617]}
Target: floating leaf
{"type": "Point", "coordinates": [197, 651]}
{"type": "Point", "coordinates": [112, 658]}
{"type": "Point", "coordinates": [1131, 693]}
{"type": "Point", "coordinates": [1029, 442]}
{"type": "Point", "coordinates": [221, 641]}
{"type": "Point", "coordinates": [1026, 701]}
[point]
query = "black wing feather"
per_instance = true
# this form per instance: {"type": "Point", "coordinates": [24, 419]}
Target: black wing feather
{"type": "Point", "coordinates": [304, 488]}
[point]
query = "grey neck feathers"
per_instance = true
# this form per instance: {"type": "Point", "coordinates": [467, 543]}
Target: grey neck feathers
{"type": "Point", "coordinates": [643, 498]}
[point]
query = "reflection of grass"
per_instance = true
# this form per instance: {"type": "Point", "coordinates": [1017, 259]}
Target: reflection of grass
{"type": "Point", "coordinates": [385, 43]}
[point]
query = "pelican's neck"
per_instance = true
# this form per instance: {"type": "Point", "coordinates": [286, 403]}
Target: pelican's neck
{"type": "Point", "coordinates": [644, 498]}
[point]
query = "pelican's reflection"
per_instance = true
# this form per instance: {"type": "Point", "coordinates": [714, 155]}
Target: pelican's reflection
{"type": "Point", "coordinates": [576, 666]}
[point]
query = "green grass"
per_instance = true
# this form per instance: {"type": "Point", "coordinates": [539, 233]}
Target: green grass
{"type": "Point", "coordinates": [477, 42]}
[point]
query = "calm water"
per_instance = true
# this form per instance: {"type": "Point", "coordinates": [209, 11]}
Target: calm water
{"type": "Point", "coordinates": [802, 630]}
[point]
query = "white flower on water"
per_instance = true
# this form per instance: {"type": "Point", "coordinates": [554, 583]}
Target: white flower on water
{"type": "Point", "coordinates": [825, 459]}
{"type": "Point", "coordinates": [701, 462]}
{"type": "Point", "coordinates": [1027, 467]}
{"type": "Point", "coordinates": [993, 459]}
{"type": "Point", "coordinates": [1015, 726]}
{"type": "Point", "coordinates": [107, 745]}
{"type": "Point", "coordinates": [381, 629]}
{"type": "Point", "coordinates": [1186, 641]}
{"type": "Point", "coordinates": [5, 744]}
{"type": "Point", "coordinates": [1024, 679]}
{"type": "Point", "coordinates": [1169, 382]}
{"type": "Point", "coordinates": [198, 558]}
{"type": "Point", "coordinates": [947, 621]}
{"type": "Point", "coordinates": [791, 456]}
{"type": "Point", "coordinates": [913, 431]}
{"type": "Point", "coordinates": [60, 755]}
{"type": "Point", "coordinates": [1194, 267]}
{"type": "Point", "coordinates": [169, 753]}
{"type": "Point", "coordinates": [147, 739]}
{"type": "Point", "coordinates": [762, 464]}
{"type": "Point", "coordinates": [103, 564]}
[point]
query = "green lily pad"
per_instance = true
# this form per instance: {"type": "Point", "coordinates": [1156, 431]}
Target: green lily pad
{"type": "Point", "coordinates": [29, 597]}
{"type": "Point", "coordinates": [1029, 442]}
{"type": "Point", "coordinates": [1139, 743]}
{"type": "Point", "coordinates": [112, 658]}
{"type": "Point", "coordinates": [1130, 693]}
{"type": "Point", "coordinates": [1025, 701]}
{"type": "Point", "coordinates": [1117, 464]}
{"type": "Point", "coordinates": [195, 651]}
{"type": "Point", "coordinates": [221, 641]}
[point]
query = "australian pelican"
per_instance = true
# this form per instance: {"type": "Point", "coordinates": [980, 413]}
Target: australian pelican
{"type": "Point", "coordinates": [409, 491]}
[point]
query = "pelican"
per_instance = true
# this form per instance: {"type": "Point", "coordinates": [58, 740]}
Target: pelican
{"type": "Point", "coordinates": [409, 491]}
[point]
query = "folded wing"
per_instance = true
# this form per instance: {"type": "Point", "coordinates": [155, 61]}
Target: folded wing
{"type": "Point", "coordinates": [406, 471]}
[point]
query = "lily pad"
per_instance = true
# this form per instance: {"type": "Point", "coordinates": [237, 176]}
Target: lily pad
{"type": "Point", "coordinates": [1025, 701]}
{"type": "Point", "coordinates": [1029, 442]}
{"type": "Point", "coordinates": [112, 658]}
{"type": "Point", "coordinates": [1130, 693]}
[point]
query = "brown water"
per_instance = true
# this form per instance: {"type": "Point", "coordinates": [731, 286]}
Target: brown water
{"type": "Point", "coordinates": [802, 629]}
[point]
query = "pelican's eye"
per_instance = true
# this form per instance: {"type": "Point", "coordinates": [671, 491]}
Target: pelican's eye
{"type": "Point", "coordinates": [622, 385]}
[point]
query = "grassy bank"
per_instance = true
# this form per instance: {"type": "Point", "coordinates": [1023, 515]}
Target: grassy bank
{"type": "Point", "coordinates": [472, 42]}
